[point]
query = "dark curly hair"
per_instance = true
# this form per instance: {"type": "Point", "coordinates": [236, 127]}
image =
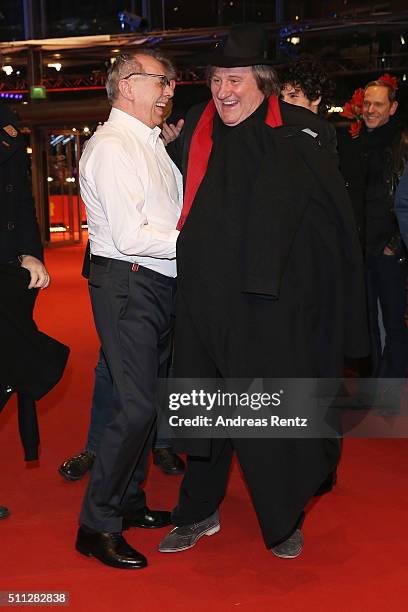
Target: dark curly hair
{"type": "Point", "coordinates": [312, 78]}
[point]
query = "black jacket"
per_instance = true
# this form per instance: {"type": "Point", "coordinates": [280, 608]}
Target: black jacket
{"type": "Point", "coordinates": [372, 165]}
{"type": "Point", "coordinates": [19, 233]}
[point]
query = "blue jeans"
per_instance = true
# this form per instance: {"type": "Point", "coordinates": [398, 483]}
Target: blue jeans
{"type": "Point", "coordinates": [102, 410]}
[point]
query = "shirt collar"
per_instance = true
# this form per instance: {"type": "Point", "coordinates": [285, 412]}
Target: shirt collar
{"type": "Point", "coordinates": [137, 127]}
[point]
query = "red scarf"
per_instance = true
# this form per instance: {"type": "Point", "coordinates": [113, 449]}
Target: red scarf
{"type": "Point", "coordinates": [200, 149]}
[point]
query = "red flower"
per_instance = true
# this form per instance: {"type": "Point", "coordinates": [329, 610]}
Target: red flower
{"type": "Point", "coordinates": [357, 98]}
{"type": "Point", "coordinates": [348, 111]}
{"type": "Point", "coordinates": [355, 128]}
{"type": "Point", "coordinates": [387, 78]}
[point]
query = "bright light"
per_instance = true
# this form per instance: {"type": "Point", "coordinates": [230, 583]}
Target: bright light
{"type": "Point", "coordinates": [57, 55]}
{"type": "Point", "coordinates": [402, 39]}
{"type": "Point", "coordinates": [335, 109]}
{"type": "Point", "coordinates": [29, 150]}
{"type": "Point", "coordinates": [297, 18]}
{"type": "Point", "coordinates": [70, 179]}
{"type": "Point", "coordinates": [8, 70]}
{"type": "Point", "coordinates": [404, 77]}
{"type": "Point", "coordinates": [18, 72]}
{"type": "Point", "coordinates": [115, 50]}
{"type": "Point", "coordinates": [86, 130]}
{"type": "Point", "coordinates": [74, 129]}
{"type": "Point", "coordinates": [56, 65]}
{"type": "Point", "coordinates": [50, 179]}
{"type": "Point", "coordinates": [295, 40]}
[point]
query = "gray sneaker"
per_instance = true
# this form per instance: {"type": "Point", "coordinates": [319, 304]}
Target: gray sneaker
{"type": "Point", "coordinates": [290, 548]}
{"type": "Point", "coordinates": [187, 536]}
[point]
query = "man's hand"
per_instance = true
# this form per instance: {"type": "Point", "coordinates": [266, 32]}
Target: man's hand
{"type": "Point", "coordinates": [171, 132]}
{"type": "Point", "coordinates": [388, 251]}
{"type": "Point", "coordinates": [39, 275]}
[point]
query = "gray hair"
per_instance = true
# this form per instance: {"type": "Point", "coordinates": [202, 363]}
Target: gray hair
{"type": "Point", "coordinates": [265, 77]}
{"type": "Point", "coordinates": [125, 63]}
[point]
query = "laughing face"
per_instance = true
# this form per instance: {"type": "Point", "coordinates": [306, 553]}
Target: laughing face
{"type": "Point", "coordinates": [148, 95]}
{"type": "Point", "coordinates": [377, 108]}
{"type": "Point", "coordinates": [235, 93]}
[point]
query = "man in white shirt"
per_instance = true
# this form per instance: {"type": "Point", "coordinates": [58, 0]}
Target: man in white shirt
{"type": "Point", "coordinates": [130, 189]}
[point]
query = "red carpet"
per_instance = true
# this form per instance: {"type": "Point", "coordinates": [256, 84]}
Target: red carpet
{"type": "Point", "coordinates": [356, 549]}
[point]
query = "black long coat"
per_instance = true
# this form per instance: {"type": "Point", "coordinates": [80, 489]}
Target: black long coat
{"type": "Point", "coordinates": [287, 297]}
{"type": "Point", "coordinates": [19, 233]}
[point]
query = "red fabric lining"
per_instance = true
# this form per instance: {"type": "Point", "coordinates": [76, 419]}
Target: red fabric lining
{"type": "Point", "coordinates": [200, 150]}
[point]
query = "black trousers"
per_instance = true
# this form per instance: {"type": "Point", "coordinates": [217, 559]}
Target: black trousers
{"type": "Point", "coordinates": [386, 283]}
{"type": "Point", "coordinates": [133, 315]}
{"type": "Point", "coordinates": [281, 474]}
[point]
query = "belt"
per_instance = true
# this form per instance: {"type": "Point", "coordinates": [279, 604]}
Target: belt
{"type": "Point", "coordinates": [135, 267]}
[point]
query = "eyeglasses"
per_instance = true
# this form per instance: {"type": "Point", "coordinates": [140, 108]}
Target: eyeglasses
{"type": "Point", "coordinates": [163, 79]}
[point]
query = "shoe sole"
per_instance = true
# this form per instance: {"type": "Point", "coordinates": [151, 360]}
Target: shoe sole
{"type": "Point", "coordinates": [127, 526]}
{"type": "Point", "coordinates": [116, 565]}
{"type": "Point", "coordinates": [287, 556]}
{"type": "Point", "coordinates": [209, 532]}
{"type": "Point", "coordinates": [169, 472]}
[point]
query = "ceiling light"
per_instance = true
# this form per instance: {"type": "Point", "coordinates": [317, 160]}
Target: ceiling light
{"type": "Point", "coordinates": [7, 69]}
{"type": "Point", "coordinates": [56, 65]}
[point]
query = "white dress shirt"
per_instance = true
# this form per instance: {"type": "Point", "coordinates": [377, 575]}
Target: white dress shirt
{"type": "Point", "coordinates": [130, 189]}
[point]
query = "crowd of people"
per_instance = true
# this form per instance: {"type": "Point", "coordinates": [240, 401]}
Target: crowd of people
{"type": "Point", "coordinates": [246, 241]}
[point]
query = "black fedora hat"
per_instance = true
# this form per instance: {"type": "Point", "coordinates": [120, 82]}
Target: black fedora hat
{"type": "Point", "coordinates": [245, 45]}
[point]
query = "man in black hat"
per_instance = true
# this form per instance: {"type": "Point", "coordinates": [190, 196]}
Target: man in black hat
{"type": "Point", "coordinates": [270, 283]}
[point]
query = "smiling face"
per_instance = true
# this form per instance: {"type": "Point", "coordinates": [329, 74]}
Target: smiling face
{"type": "Point", "coordinates": [377, 108]}
{"type": "Point", "coordinates": [295, 95]}
{"type": "Point", "coordinates": [235, 93]}
{"type": "Point", "coordinates": [144, 97]}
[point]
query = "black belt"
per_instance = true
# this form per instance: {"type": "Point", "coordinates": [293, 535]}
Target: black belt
{"type": "Point", "coordinates": [135, 267]}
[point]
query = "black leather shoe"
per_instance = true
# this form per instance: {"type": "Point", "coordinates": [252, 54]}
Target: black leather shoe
{"type": "Point", "coordinates": [4, 513]}
{"type": "Point", "coordinates": [168, 462]}
{"type": "Point", "coordinates": [77, 466]}
{"type": "Point", "coordinates": [111, 549]}
{"type": "Point", "coordinates": [148, 519]}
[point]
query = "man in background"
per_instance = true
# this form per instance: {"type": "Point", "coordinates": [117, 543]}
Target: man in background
{"type": "Point", "coordinates": [372, 164]}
